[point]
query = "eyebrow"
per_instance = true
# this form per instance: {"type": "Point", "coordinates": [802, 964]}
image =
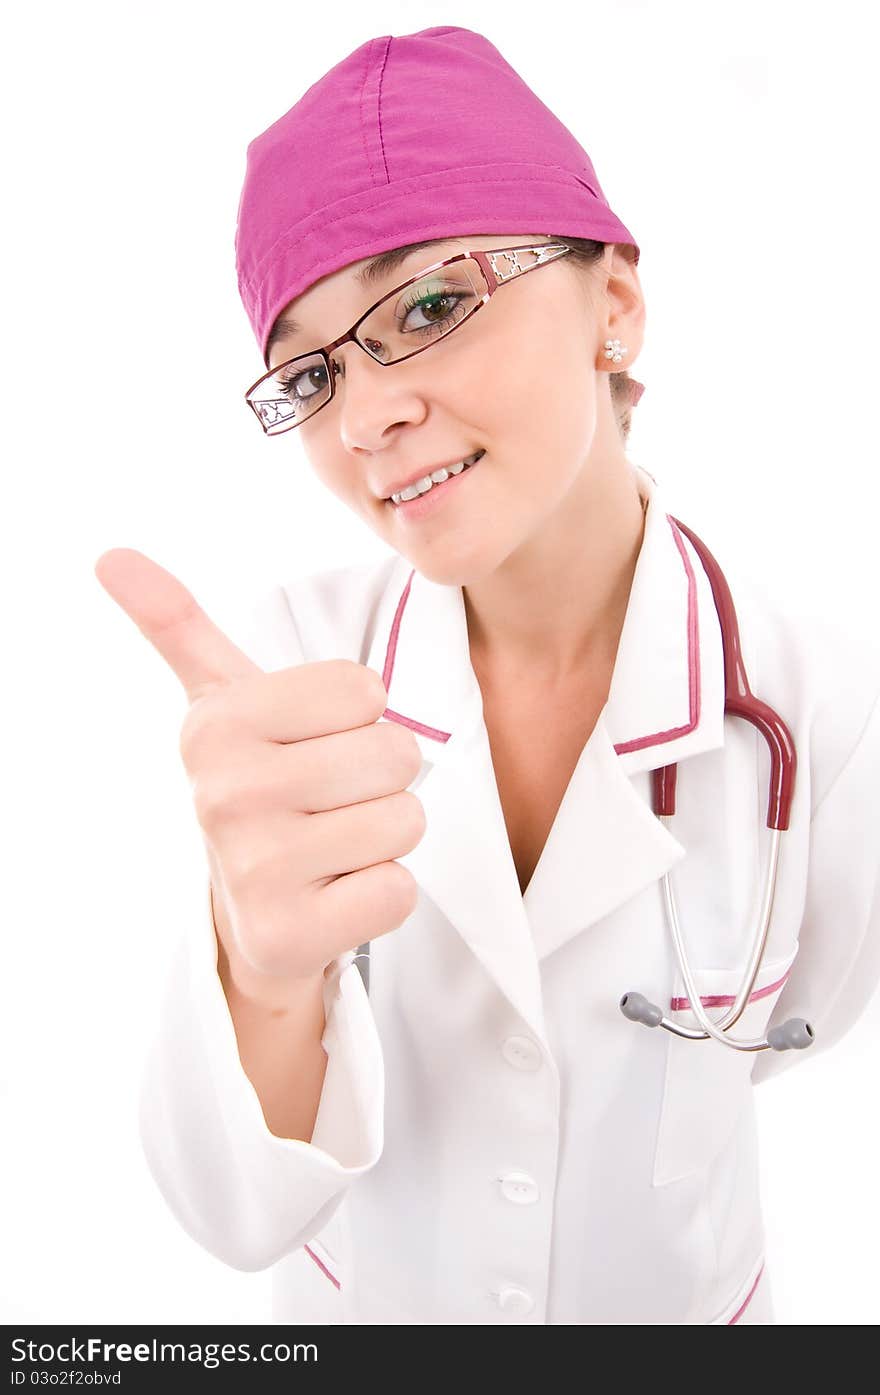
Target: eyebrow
{"type": "Point", "coordinates": [374, 271]}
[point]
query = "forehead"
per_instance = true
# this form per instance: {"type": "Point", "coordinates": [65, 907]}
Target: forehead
{"type": "Point", "coordinates": [349, 290]}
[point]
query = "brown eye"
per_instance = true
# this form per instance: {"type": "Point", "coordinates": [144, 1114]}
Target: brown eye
{"type": "Point", "coordinates": [299, 384]}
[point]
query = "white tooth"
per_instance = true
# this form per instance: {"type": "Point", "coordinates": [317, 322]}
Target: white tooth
{"type": "Point", "coordinates": [428, 481]}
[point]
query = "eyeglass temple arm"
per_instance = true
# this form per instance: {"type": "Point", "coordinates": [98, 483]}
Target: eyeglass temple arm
{"type": "Point", "coordinates": [502, 263]}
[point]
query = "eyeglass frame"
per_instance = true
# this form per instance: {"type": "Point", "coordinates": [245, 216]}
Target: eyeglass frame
{"type": "Point", "coordinates": [546, 252]}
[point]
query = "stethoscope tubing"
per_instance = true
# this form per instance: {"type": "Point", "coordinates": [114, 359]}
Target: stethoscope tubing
{"type": "Point", "coordinates": [718, 1028]}
{"type": "Point", "coordinates": [739, 701]}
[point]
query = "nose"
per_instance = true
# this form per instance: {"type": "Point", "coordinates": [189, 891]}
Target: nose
{"type": "Point", "coordinates": [376, 400]}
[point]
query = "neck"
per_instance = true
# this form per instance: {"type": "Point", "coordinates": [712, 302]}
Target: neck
{"type": "Point", "coordinates": [555, 609]}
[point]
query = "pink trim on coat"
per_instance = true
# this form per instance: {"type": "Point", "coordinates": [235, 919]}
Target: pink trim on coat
{"type": "Point", "coordinates": [725, 999]}
{"type": "Point", "coordinates": [416, 726]}
{"type": "Point", "coordinates": [638, 743]}
{"type": "Point", "coordinates": [322, 1267]}
{"type": "Point", "coordinates": [391, 651]}
{"type": "Point", "coordinates": [693, 641]}
{"type": "Point", "coordinates": [388, 669]}
{"type": "Point", "coordinates": [747, 1300]}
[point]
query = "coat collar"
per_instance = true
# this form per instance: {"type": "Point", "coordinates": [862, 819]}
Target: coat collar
{"type": "Point", "coordinates": [665, 703]}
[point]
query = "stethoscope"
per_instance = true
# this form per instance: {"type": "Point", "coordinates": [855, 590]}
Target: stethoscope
{"type": "Point", "coordinates": [739, 701]}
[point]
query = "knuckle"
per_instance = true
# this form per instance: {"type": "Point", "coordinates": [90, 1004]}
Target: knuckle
{"type": "Point", "coordinates": [364, 685]}
{"type": "Point", "coordinates": [404, 748]}
{"type": "Point", "coordinates": [378, 691]}
{"type": "Point", "coordinates": [370, 689]}
{"type": "Point", "coordinates": [405, 883]}
{"type": "Point", "coordinates": [244, 872]}
{"type": "Point", "coordinates": [401, 893]}
{"type": "Point", "coordinates": [217, 797]}
{"type": "Point", "coordinates": [413, 814]}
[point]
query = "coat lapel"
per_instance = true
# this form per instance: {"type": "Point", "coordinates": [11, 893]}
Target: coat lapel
{"type": "Point", "coordinates": [665, 703]}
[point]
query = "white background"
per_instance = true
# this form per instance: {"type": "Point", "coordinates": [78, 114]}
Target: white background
{"type": "Point", "coordinates": [737, 144]}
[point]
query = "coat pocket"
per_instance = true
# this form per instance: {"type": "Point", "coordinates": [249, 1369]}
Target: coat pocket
{"type": "Point", "coordinates": [706, 1084]}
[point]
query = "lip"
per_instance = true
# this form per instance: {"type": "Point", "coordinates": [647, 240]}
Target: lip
{"type": "Point", "coordinates": [432, 502]}
{"type": "Point", "coordinates": [411, 479]}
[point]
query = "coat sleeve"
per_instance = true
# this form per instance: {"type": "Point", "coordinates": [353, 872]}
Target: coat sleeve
{"type": "Point", "coordinates": [837, 968]}
{"type": "Point", "coordinates": [244, 1194]}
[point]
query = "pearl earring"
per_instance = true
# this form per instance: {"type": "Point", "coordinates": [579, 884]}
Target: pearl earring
{"type": "Point", "coordinates": [615, 350]}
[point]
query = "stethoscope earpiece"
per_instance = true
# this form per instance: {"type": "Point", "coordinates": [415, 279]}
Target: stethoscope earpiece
{"type": "Point", "coordinates": [636, 1007]}
{"type": "Point", "coordinates": [792, 1035]}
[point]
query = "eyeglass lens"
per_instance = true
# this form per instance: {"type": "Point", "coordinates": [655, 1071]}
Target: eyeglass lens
{"type": "Point", "coordinates": [412, 318]}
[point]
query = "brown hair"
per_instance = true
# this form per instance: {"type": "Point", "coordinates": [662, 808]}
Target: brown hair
{"type": "Point", "coordinates": [587, 253]}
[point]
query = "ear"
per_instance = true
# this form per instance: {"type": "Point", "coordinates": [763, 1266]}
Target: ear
{"type": "Point", "coordinates": [625, 303]}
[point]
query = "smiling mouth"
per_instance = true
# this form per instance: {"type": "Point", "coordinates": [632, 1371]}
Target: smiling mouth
{"type": "Point", "coordinates": [427, 483]}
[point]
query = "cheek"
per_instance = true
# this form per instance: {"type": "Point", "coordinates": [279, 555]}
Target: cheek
{"type": "Point", "coordinates": [542, 397]}
{"type": "Point", "coordinates": [322, 452]}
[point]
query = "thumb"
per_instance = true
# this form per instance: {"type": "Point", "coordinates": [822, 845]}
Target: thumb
{"type": "Point", "coordinates": [170, 617]}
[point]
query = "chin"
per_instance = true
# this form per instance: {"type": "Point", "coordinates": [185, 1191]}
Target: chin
{"type": "Point", "coordinates": [452, 570]}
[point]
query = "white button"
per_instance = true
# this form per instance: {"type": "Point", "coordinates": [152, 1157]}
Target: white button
{"type": "Point", "coordinates": [522, 1053]}
{"type": "Point", "coordinates": [515, 1300]}
{"type": "Point", "coordinates": [519, 1187]}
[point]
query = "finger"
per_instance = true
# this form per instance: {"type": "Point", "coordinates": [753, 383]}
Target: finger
{"type": "Point", "coordinates": [303, 776]}
{"type": "Point", "coordinates": [170, 617]}
{"type": "Point", "coordinates": [308, 700]}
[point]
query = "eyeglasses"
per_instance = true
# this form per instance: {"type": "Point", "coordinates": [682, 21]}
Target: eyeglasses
{"type": "Point", "coordinates": [425, 309]}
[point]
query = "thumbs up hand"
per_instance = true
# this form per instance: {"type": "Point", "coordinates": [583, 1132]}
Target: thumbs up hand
{"type": "Point", "coordinates": [299, 789]}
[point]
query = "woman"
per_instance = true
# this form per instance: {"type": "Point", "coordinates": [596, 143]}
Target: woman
{"type": "Point", "coordinates": [464, 1127]}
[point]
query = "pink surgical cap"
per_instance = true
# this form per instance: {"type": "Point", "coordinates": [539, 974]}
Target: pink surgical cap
{"type": "Point", "coordinates": [409, 138]}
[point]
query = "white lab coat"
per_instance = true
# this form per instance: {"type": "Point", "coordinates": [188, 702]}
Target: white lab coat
{"type": "Point", "coordinates": [496, 1143]}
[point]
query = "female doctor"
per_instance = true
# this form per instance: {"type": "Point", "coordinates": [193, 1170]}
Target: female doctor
{"type": "Point", "coordinates": [398, 1060]}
